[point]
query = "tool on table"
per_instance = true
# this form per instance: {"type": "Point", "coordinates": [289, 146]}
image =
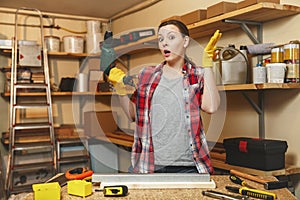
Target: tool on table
{"type": "Point", "coordinates": [78, 173]}
{"type": "Point", "coordinates": [114, 191]}
{"type": "Point", "coordinates": [252, 192]}
{"type": "Point", "coordinates": [221, 195]}
{"type": "Point", "coordinates": [239, 181]}
{"type": "Point", "coordinates": [268, 185]}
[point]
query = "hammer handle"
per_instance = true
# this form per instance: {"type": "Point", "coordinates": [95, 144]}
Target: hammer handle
{"type": "Point", "coordinates": [248, 176]}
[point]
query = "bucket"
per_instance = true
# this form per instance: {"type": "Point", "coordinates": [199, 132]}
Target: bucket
{"type": "Point", "coordinates": [73, 44]}
{"type": "Point", "coordinates": [52, 43]}
{"type": "Point", "coordinates": [276, 72]}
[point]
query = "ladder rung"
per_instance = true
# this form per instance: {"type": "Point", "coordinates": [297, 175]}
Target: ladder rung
{"type": "Point", "coordinates": [31, 105]}
{"type": "Point", "coordinates": [21, 188]}
{"type": "Point", "coordinates": [32, 166]}
{"type": "Point", "coordinates": [74, 159]}
{"type": "Point", "coordinates": [75, 141]}
{"type": "Point", "coordinates": [32, 126]}
{"type": "Point", "coordinates": [30, 85]}
{"type": "Point", "coordinates": [34, 146]}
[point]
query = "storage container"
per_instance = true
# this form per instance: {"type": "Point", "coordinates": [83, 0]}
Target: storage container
{"type": "Point", "coordinates": [220, 8]}
{"type": "Point", "coordinates": [73, 44]}
{"type": "Point", "coordinates": [52, 43]}
{"type": "Point", "coordinates": [263, 154]}
{"type": "Point", "coordinates": [276, 72]}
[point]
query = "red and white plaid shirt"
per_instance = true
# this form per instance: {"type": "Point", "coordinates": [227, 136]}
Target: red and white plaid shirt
{"type": "Point", "coordinates": [142, 157]}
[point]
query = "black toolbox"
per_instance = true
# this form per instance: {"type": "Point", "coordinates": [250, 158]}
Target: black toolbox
{"type": "Point", "coordinates": [263, 154]}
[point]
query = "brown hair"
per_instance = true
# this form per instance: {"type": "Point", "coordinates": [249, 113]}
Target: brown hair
{"type": "Point", "coordinates": [180, 25]}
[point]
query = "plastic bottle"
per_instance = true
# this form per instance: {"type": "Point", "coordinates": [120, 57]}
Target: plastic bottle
{"type": "Point", "coordinates": [259, 74]}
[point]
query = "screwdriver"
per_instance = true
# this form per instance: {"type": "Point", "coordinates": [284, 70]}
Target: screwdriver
{"type": "Point", "coordinates": [239, 181]}
{"type": "Point", "coordinates": [260, 194]}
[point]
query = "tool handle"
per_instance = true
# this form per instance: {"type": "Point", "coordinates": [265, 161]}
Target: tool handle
{"type": "Point", "coordinates": [260, 194]}
{"type": "Point", "coordinates": [248, 176]}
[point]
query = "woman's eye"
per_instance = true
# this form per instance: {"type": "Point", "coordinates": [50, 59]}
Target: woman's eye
{"type": "Point", "coordinates": [171, 37]}
{"type": "Point", "coordinates": [160, 39]}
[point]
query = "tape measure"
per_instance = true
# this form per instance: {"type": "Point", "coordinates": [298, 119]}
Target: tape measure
{"type": "Point", "coordinates": [78, 173]}
{"type": "Point", "coordinates": [116, 190]}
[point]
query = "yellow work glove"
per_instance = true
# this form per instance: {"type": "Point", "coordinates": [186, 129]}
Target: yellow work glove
{"type": "Point", "coordinates": [209, 49]}
{"type": "Point", "coordinates": [116, 78]}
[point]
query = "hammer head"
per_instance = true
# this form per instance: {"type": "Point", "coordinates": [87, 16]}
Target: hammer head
{"type": "Point", "coordinates": [272, 185]}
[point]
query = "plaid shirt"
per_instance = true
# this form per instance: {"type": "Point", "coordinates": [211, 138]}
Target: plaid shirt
{"type": "Point", "coordinates": [142, 157]}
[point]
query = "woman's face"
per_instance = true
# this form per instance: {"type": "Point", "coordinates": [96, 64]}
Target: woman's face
{"type": "Point", "coordinates": [172, 43]}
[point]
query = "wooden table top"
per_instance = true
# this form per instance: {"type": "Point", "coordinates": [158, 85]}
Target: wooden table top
{"type": "Point", "coordinates": [164, 194]}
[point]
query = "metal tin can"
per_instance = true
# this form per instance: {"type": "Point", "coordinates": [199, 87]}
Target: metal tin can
{"type": "Point", "coordinates": [292, 72]}
{"type": "Point", "coordinates": [277, 55]}
{"type": "Point", "coordinates": [291, 51]}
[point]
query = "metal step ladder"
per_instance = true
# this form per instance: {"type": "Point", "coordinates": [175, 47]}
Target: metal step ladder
{"type": "Point", "coordinates": [31, 161]}
{"type": "Point", "coordinates": [72, 153]}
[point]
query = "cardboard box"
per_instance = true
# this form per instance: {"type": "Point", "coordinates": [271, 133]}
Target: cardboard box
{"type": "Point", "coordinates": [98, 123]}
{"type": "Point", "coordinates": [220, 8]}
{"type": "Point", "coordinates": [262, 154]}
{"type": "Point", "coordinates": [246, 3]}
{"type": "Point", "coordinates": [194, 16]}
{"type": "Point", "coordinates": [176, 17]}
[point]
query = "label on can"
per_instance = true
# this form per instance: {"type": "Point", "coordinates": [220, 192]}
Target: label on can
{"type": "Point", "coordinates": [259, 75]}
{"type": "Point", "coordinates": [292, 69]}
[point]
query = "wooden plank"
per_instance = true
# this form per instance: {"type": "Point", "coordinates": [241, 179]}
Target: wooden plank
{"type": "Point", "coordinates": [237, 87]}
{"type": "Point", "coordinates": [261, 12]}
{"type": "Point", "coordinates": [222, 165]}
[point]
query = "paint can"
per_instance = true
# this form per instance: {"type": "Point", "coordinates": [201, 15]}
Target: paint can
{"type": "Point", "coordinates": [276, 72]}
{"type": "Point", "coordinates": [73, 44]}
{"type": "Point", "coordinates": [52, 43]}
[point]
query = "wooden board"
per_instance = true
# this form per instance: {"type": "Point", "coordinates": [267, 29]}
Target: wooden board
{"type": "Point", "coordinates": [261, 12]}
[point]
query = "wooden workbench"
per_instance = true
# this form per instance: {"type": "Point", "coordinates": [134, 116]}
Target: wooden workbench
{"type": "Point", "coordinates": [174, 194]}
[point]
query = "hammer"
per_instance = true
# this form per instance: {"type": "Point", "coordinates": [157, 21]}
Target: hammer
{"type": "Point", "coordinates": [268, 185]}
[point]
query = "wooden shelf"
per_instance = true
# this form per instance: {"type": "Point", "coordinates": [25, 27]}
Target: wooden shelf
{"type": "Point", "coordinates": [265, 86]}
{"type": "Point", "coordinates": [236, 87]}
{"type": "Point", "coordinates": [261, 12]}
{"type": "Point", "coordinates": [58, 94]}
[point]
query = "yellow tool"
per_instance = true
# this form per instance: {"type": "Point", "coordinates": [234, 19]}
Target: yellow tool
{"type": "Point", "coordinates": [239, 181]}
{"type": "Point", "coordinates": [114, 191]}
{"type": "Point", "coordinates": [260, 194]}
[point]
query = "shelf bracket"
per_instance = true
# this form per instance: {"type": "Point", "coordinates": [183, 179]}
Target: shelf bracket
{"type": "Point", "coordinates": [244, 25]}
{"type": "Point", "coordinates": [259, 108]}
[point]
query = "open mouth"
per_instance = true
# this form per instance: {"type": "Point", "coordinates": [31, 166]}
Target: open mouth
{"type": "Point", "coordinates": [167, 52]}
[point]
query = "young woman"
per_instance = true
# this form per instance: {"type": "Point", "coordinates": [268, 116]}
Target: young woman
{"type": "Point", "coordinates": [166, 106]}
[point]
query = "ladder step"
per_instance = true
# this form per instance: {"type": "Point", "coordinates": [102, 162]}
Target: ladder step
{"type": "Point", "coordinates": [73, 159]}
{"type": "Point", "coordinates": [41, 125]}
{"type": "Point", "coordinates": [30, 85]}
{"type": "Point", "coordinates": [36, 148]}
{"type": "Point", "coordinates": [31, 105]}
{"type": "Point", "coordinates": [32, 166]}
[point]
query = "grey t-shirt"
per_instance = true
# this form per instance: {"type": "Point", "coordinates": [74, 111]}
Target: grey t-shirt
{"type": "Point", "coordinates": [170, 137]}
